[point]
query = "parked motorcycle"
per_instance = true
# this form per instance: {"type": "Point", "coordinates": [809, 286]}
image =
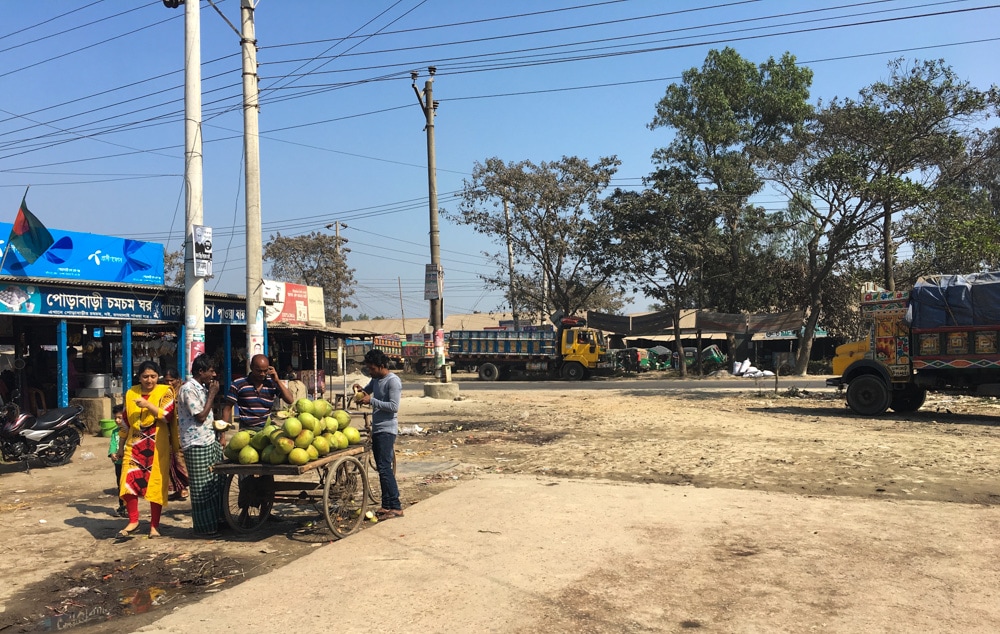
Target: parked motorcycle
{"type": "Point", "coordinates": [52, 437]}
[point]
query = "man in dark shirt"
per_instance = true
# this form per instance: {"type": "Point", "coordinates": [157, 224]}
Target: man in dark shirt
{"type": "Point", "coordinates": [254, 395]}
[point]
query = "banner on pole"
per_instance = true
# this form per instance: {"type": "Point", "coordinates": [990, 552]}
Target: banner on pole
{"type": "Point", "coordinates": [433, 282]}
{"type": "Point", "coordinates": [202, 250]}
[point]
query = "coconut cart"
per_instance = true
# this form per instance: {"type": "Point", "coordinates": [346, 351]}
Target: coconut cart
{"type": "Point", "coordinates": [339, 485]}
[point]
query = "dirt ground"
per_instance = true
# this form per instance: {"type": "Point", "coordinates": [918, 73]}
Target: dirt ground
{"type": "Point", "coordinates": [63, 568]}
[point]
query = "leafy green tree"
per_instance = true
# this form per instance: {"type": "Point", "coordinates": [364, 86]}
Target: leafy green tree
{"type": "Point", "coordinates": [902, 131]}
{"type": "Point", "coordinates": [862, 161]}
{"type": "Point", "coordinates": [313, 259]}
{"type": "Point", "coordinates": [605, 298]}
{"type": "Point", "coordinates": [544, 212]}
{"type": "Point", "coordinates": [727, 119]}
{"type": "Point", "coordinates": [960, 231]}
{"type": "Point", "coordinates": [646, 239]}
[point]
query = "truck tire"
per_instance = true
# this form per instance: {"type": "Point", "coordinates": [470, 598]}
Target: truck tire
{"type": "Point", "coordinates": [907, 400]}
{"type": "Point", "coordinates": [573, 371]}
{"type": "Point", "coordinates": [868, 395]}
{"type": "Point", "coordinates": [488, 372]}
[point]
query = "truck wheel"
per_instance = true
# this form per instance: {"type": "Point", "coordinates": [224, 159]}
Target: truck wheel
{"type": "Point", "coordinates": [868, 395]}
{"type": "Point", "coordinates": [573, 371]}
{"type": "Point", "coordinates": [488, 372]}
{"type": "Point", "coordinates": [907, 400]}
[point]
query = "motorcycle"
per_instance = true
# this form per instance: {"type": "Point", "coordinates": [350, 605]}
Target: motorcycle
{"type": "Point", "coordinates": [52, 437]}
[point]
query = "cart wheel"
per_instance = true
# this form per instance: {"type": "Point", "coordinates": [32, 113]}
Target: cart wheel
{"type": "Point", "coordinates": [248, 501]}
{"type": "Point", "coordinates": [374, 485]}
{"type": "Point", "coordinates": [344, 501]}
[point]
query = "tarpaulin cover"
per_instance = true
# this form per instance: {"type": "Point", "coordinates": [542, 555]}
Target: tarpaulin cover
{"type": "Point", "coordinates": [620, 324]}
{"type": "Point", "coordinates": [791, 320]}
{"type": "Point", "coordinates": [721, 322]}
{"type": "Point", "coordinates": [652, 323]}
{"type": "Point", "coordinates": [955, 300]}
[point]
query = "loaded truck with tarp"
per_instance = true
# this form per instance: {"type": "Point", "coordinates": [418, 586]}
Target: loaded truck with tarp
{"type": "Point", "coordinates": [569, 350]}
{"type": "Point", "coordinates": [942, 335]}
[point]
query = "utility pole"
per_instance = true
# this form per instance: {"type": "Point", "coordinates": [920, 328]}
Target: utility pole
{"type": "Point", "coordinates": [251, 149]}
{"type": "Point", "coordinates": [426, 100]}
{"type": "Point", "coordinates": [402, 312]}
{"type": "Point", "coordinates": [194, 286]}
{"type": "Point", "coordinates": [342, 263]}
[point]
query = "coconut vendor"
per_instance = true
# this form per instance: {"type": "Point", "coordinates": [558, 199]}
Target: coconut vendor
{"type": "Point", "coordinates": [254, 395]}
{"type": "Point", "coordinates": [383, 393]}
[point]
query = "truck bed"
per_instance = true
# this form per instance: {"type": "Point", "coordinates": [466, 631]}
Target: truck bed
{"type": "Point", "coordinates": [466, 343]}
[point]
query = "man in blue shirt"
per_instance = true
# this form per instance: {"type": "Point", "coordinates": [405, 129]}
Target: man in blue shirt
{"type": "Point", "coordinates": [254, 395]}
{"type": "Point", "coordinates": [383, 393]}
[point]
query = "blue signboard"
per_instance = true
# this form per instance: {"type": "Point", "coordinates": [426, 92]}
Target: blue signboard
{"type": "Point", "coordinates": [48, 301]}
{"type": "Point", "coordinates": [88, 256]}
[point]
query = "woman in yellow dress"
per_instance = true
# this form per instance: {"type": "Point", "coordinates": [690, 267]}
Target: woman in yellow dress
{"type": "Point", "coordinates": [146, 447]}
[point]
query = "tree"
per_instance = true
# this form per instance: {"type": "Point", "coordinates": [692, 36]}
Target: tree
{"type": "Point", "coordinates": [314, 259]}
{"type": "Point", "coordinates": [728, 118]}
{"type": "Point", "coordinates": [862, 160]}
{"type": "Point", "coordinates": [905, 129]}
{"type": "Point", "coordinates": [544, 212]}
{"type": "Point", "coordinates": [960, 231]}
{"type": "Point", "coordinates": [605, 298]}
{"type": "Point", "coordinates": [173, 268]}
{"type": "Point", "coordinates": [646, 241]}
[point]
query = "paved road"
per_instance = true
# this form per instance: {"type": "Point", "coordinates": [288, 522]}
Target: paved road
{"type": "Point", "coordinates": [470, 382]}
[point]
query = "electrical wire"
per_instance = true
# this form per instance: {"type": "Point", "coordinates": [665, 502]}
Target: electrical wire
{"type": "Point", "coordinates": [657, 79]}
{"type": "Point", "coordinates": [24, 29]}
{"type": "Point", "coordinates": [411, 64]}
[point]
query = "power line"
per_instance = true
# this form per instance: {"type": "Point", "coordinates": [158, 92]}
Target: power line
{"type": "Point", "coordinates": [76, 50]}
{"type": "Point", "coordinates": [465, 23]}
{"type": "Point", "coordinates": [409, 65]}
{"type": "Point", "coordinates": [506, 66]}
{"type": "Point", "coordinates": [25, 29]}
{"type": "Point", "coordinates": [132, 125]}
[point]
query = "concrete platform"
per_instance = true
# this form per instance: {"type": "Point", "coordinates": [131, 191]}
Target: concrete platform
{"type": "Point", "coordinates": [530, 554]}
{"type": "Point", "coordinates": [444, 391]}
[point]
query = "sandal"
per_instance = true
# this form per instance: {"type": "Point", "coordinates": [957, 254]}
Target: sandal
{"type": "Point", "coordinates": [153, 533]}
{"type": "Point", "coordinates": [126, 532]}
{"type": "Point", "coordinates": [384, 514]}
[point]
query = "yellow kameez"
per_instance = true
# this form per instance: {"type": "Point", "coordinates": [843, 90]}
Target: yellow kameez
{"type": "Point", "coordinates": [166, 440]}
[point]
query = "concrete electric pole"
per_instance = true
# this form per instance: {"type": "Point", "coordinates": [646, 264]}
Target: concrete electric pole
{"type": "Point", "coordinates": [194, 286]}
{"type": "Point", "coordinates": [433, 292]}
{"type": "Point", "coordinates": [251, 148]}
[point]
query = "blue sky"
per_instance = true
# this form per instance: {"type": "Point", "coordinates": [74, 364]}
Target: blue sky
{"type": "Point", "coordinates": [92, 117]}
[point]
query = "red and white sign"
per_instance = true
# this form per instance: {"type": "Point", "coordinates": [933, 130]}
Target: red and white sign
{"type": "Point", "coordinates": [294, 304]}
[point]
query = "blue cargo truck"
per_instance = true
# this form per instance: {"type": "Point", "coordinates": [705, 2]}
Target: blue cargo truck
{"type": "Point", "coordinates": [570, 350]}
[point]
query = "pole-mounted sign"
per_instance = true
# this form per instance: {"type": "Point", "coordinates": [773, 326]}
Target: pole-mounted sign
{"type": "Point", "coordinates": [202, 239]}
{"type": "Point", "coordinates": [433, 282]}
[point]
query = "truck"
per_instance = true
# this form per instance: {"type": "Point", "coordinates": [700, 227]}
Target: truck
{"type": "Point", "coordinates": [418, 353]}
{"type": "Point", "coordinates": [940, 336]}
{"type": "Point", "coordinates": [569, 350]}
{"type": "Point", "coordinates": [355, 350]}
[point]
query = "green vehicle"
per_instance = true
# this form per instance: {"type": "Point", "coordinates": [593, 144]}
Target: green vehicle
{"type": "Point", "coordinates": [659, 357]}
{"type": "Point", "coordinates": [711, 356]}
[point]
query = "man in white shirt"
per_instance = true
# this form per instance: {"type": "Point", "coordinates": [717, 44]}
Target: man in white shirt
{"type": "Point", "coordinates": [201, 449]}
